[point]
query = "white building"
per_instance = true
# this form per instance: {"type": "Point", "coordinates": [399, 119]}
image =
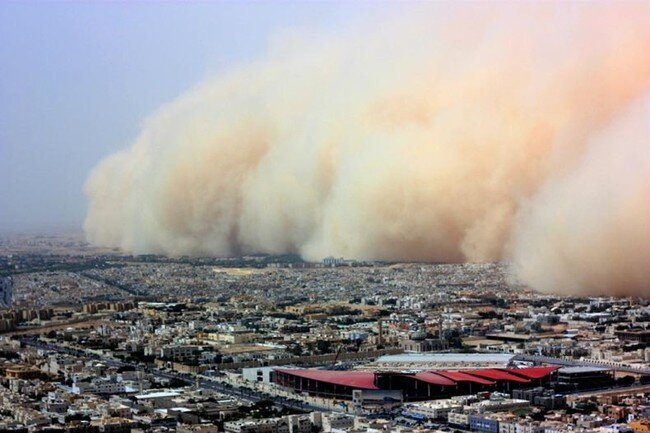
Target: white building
{"type": "Point", "coordinates": [437, 409]}
{"type": "Point", "coordinates": [441, 361]}
{"type": "Point", "coordinates": [336, 421]}
{"type": "Point", "coordinates": [267, 425]}
{"type": "Point", "coordinates": [258, 374]}
{"type": "Point", "coordinates": [299, 424]}
{"type": "Point", "coordinates": [99, 387]}
{"type": "Point", "coordinates": [458, 418]}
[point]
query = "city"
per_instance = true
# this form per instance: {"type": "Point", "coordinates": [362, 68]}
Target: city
{"type": "Point", "coordinates": [324, 216]}
{"type": "Point", "coordinates": [106, 342]}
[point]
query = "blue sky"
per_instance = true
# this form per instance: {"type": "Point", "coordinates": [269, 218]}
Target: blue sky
{"type": "Point", "coordinates": [77, 79]}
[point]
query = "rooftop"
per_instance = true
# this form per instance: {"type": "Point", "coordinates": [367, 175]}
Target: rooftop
{"type": "Point", "coordinates": [574, 370]}
{"type": "Point", "coordinates": [356, 379]}
{"type": "Point", "coordinates": [447, 358]}
{"type": "Point", "coordinates": [159, 394]}
{"type": "Point", "coordinates": [366, 379]}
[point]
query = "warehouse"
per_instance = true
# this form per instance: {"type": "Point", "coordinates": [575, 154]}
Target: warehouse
{"type": "Point", "coordinates": [423, 385]}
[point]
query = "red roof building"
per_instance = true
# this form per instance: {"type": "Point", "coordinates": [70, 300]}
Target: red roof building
{"type": "Point", "coordinates": [461, 376]}
{"type": "Point", "coordinates": [434, 378]}
{"type": "Point", "coordinates": [532, 372]}
{"type": "Point", "coordinates": [414, 386]}
{"type": "Point", "coordinates": [496, 374]}
{"type": "Point", "coordinates": [352, 379]}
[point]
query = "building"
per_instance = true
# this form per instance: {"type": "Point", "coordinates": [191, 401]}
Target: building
{"type": "Point", "coordinates": [21, 372]}
{"type": "Point", "coordinates": [423, 385]}
{"type": "Point", "coordinates": [433, 361]}
{"type": "Point", "coordinates": [336, 421]}
{"type": "Point", "coordinates": [158, 399]}
{"type": "Point", "coordinates": [498, 403]}
{"type": "Point", "coordinates": [376, 400]}
{"type": "Point", "coordinates": [540, 397]}
{"type": "Point", "coordinates": [483, 424]}
{"type": "Point", "coordinates": [437, 409]}
{"type": "Point", "coordinates": [583, 377]}
{"type": "Point", "coordinates": [99, 387]}
{"type": "Point", "coordinates": [266, 425]}
{"type": "Point", "coordinates": [423, 345]}
{"type": "Point", "coordinates": [460, 419]}
{"type": "Point", "coordinates": [333, 261]}
{"type": "Point", "coordinates": [178, 352]}
{"type": "Point", "coordinates": [642, 336]}
{"type": "Point", "coordinates": [232, 337]}
{"type": "Point", "coordinates": [258, 374]}
{"type": "Point", "coordinates": [114, 425]}
{"type": "Point", "coordinates": [299, 424]}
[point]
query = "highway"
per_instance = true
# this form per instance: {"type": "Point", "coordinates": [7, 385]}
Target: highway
{"type": "Point", "coordinates": [575, 363]}
{"type": "Point", "coordinates": [246, 394]}
{"type": "Point", "coordinates": [251, 396]}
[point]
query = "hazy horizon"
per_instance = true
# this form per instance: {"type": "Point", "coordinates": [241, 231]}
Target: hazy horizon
{"type": "Point", "coordinates": [405, 131]}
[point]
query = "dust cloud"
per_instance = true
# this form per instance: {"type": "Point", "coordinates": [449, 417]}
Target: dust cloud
{"type": "Point", "coordinates": [514, 132]}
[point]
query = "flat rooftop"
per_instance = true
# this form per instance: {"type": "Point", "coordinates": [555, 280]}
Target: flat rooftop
{"type": "Point", "coordinates": [575, 370]}
{"type": "Point", "coordinates": [159, 394]}
{"type": "Point", "coordinates": [447, 358]}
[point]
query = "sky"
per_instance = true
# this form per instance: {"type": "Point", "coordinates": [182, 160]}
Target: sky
{"type": "Point", "coordinates": [77, 79]}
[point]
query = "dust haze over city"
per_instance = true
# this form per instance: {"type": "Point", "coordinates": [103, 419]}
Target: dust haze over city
{"type": "Point", "coordinates": [305, 217]}
{"type": "Point", "coordinates": [451, 134]}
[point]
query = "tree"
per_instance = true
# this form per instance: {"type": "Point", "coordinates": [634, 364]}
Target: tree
{"type": "Point", "coordinates": [323, 346]}
{"type": "Point", "coordinates": [124, 368]}
{"type": "Point", "coordinates": [644, 379]}
{"type": "Point", "coordinates": [454, 338]}
{"type": "Point", "coordinates": [625, 381]}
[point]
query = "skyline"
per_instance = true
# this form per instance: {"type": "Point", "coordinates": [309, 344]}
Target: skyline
{"type": "Point", "coordinates": [297, 216]}
{"type": "Point", "coordinates": [447, 133]}
{"type": "Point", "coordinates": [437, 132]}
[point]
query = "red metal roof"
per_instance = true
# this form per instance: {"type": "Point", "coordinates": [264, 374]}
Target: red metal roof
{"type": "Point", "coordinates": [366, 379]}
{"type": "Point", "coordinates": [495, 374]}
{"type": "Point", "coordinates": [353, 379]}
{"type": "Point", "coordinates": [434, 378]}
{"type": "Point", "coordinates": [459, 376]}
{"type": "Point", "coordinates": [533, 372]}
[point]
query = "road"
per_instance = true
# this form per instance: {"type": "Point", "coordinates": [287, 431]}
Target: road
{"type": "Point", "coordinates": [72, 323]}
{"type": "Point", "coordinates": [247, 394]}
{"type": "Point", "coordinates": [575, 362]}
{"type": "Point", "coordinates": [628, 389]}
